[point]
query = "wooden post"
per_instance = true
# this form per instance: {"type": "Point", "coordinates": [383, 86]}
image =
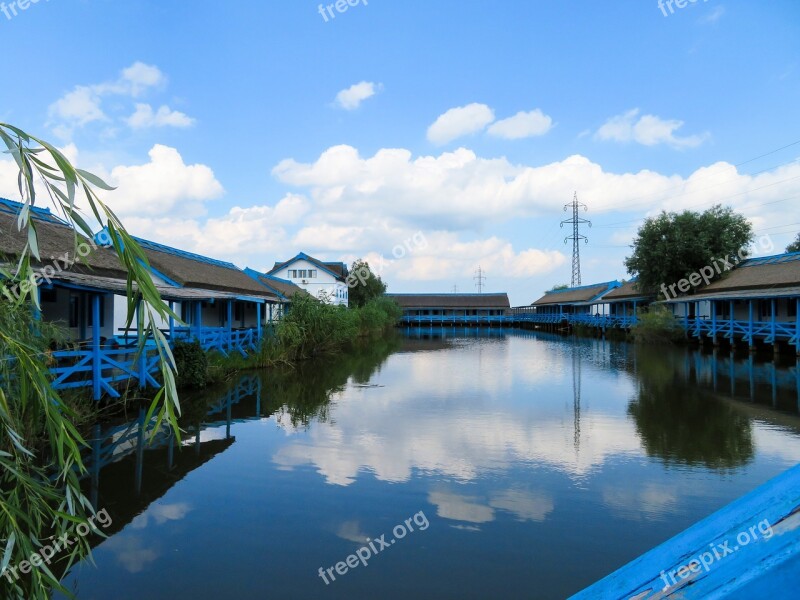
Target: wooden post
{"type": "Point", "coordinates": [797, 327]}
{"type": "Point", "coordinates": [229, 323]}
{"type": "Point", "coordinates": [732, 324]}
{"type": "Point", "coordinates": [198, 318]}
{"type": "Point", "coordinates": [143, 353]}
{"type": "Point", "coordinates": [258, 322]}
{"type": "Point", "coordinates": [714, 322]}
{"type": "Point", "coordinates": [171, 322]}
{"type": "Point", "coordinates": [774, 325]}
{"type": "Point", "coordinates": [97, 367]}
{"type": "Point", "coordinates": [750, 324]}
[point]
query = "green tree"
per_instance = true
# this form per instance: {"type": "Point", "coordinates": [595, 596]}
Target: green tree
{"type": "Point", "coordinates": [672, 246]}
{"type": "Point", "coordinates": [795, 245]}
{"type": "Point", "coordinates": [559, 286]}
{"type": "Point", "coordinates": [40, 460]}
{"type": "Point", "coordinates": [364, 284]}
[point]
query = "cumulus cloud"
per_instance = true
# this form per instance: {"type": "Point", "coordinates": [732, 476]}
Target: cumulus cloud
{"type": "Point", "coordinates": [460, 121]}
{"type": "Point", "coordinates": [161, 184]}
{"type": "Point", "coordinates": [78, 107]}
{"type": "Point", "coordinates": [83, 104]}
{"type": "Point", "coordinates": [145, 116]}
{"type": "Point", "coordinates": [352, 97]}
{"type": "Point", "coordinates": [522, 125]}
{"type": "Point", "coordinates": [648, 130]}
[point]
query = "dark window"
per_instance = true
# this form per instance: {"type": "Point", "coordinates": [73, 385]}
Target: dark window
{"type": "Point", "coordinates": [90, 307]}
{"type": "Point", "coordinates": [792, 307]}
{"type": "Point", "coordinates": [238, 311]}
{"type": "Point", "coordinates": [47, 295]}
{"type": "Point", "coordinates": [74, 310]}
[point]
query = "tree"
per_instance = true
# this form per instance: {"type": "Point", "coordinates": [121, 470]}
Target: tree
{"type": "Point", "coordinates": [672, 246]}
{"type": "Point", "coordinates": [364, 284]}
{"type": "Point", "coordinates": [40, 458]}
{"type": "Point", "coordinates": [795, 245]}
{"type": "Point", "coordinates": [559, 286]}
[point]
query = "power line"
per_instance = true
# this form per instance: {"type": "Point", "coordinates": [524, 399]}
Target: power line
{"type": "Point", "coordinates": [576, 237]}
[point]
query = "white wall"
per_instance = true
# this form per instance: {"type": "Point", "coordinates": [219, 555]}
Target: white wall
{"type": "Point", "coordinates": [59, 312]}
{"type": "Point", "coordinates": [322, 282]}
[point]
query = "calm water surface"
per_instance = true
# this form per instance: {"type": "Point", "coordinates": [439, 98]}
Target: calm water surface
{"type": "Point", "coordinates": [538, 463]}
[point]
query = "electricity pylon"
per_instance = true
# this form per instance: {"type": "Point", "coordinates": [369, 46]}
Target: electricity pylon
{"type": "Point", "coordinates": [576, 237]}
{"type": "Point", "coordinates": [479, 277]}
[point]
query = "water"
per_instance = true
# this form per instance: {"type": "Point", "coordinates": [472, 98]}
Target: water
{"type": "Point", "coordinates": [534, 464]}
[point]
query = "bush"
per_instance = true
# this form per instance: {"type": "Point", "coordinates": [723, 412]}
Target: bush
{"type": "Point", "coordinates": [657, 326]}
{"type": "Point", "coordinates": [192, 363]}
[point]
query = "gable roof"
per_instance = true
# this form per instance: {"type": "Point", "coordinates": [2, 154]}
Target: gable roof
{"type": "Point", "coordinates": [281, 287]}
{"type": "Point", "coordinates": [466, 301]}
{"type": "Point", "coordinates": [186, 269]}
{"type": "Point", "coordinates": [336, 269]}
{"type": "Point", "coordinates": [57, 243]}
{"type": "Point", "coordinates": [763, 273]}
{"type": "Point", "coordinates": [627, 291]}
{"type": "Point", "coordinates": [576, 295]}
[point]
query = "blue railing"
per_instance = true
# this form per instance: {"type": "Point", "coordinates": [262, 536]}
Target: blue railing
{"type": "Point", "coordinates": [103, 366]}
{"type": "Point", "coordinates": [768, 331]}
{"type": "Point", "coordinates": [457, 319]}
{"type": "Point", "coordinates": [221, 339]}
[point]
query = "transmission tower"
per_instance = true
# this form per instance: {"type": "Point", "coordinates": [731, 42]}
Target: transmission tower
{"type": "Point", "coordinates": [455, 289]}
{"type": "Point", "coordinates": [576, 237]}
{"type": "Point", "coordinates": [479, 278]}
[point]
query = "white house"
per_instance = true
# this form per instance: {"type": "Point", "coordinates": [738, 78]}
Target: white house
{"type": "Point", "coordinates": [320, 279]}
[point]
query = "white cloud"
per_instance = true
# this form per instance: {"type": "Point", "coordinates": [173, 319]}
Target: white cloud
{"type": "Point", "coordinates": [648, 130]}
{"type": "Point", "coordinates": [78, 107]}
{"type": "Point", "coordinates": [83, 104]}
{"type": "Point", "coordinates": [713, 16]}
{"type": "Point", "coordinates": [352, 97]}
{"type": "Point", "coordinates": [161, 185]}
{"type": "Point", "coordinates": [163, 117]}
{"type": "Point", "coordinates": [140, 77]}
{"type": "Point", "coordinates": [460, 121]}
{"type": "Point", "coordinates": [522, 125]}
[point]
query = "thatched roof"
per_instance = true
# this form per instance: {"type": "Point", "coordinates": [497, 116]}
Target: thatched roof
{"type": "Point", "coordinates": [57, 242]}
{"type": "Point", "coordinates": [461, 301]}
{"type": "Point", "coordinates": [193, 270]}
{"type": "Point", "coordinates": [575, 295]}
{"type": "Point", "coordinates": [761, 273]}
{"type": "Point", "coordinates": [282, 287]}
{"type": "Point", "coordinates": [57, 238]}
{"type": "Point", "coordinates": [627, 291]}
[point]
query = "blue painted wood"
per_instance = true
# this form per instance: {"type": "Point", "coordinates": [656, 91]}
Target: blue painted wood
{"type": "Point", "coordinates": [96, 356]}
{"type": "Point", "coordinates": [747, 549]}
{"type": "Point", "coordinates": [258, 321]}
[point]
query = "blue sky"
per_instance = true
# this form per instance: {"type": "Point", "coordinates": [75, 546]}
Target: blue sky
{"type": "Point", "coordinates": [251, 131]}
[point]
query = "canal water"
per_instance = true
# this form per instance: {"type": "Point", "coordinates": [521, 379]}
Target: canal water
{"type": "Point", "coordinates": [479, 464]}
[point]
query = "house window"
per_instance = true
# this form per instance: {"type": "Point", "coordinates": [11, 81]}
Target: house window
{"type": "Point", "coordinates": [90, 313]}
{"type": "Point", "coordinates": [312, 273]}
{"type": "Point", "coordinates": [791, 307]}
{"type": "Point", "coordinates": [74, 310]}
{"type": "Point", "coordinates": [47, 295]}
{"type": "Point", "coordinates": [238, 311]}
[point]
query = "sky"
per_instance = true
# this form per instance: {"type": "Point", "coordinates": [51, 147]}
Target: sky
{"type": "Point", "coordinates": [430, 138]}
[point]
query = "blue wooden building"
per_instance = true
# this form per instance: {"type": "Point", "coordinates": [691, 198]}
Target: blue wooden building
{"type": "Point", "coordinates": [283, 289]}
{"type": "Point", "coordinates": [566, 306]}
{"type": "Point", "coordinates": [220, 306]}
{"type": "Point", "coordinates": [757, 301]}
{"type": "Point", "coordinates": [452, 309]}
